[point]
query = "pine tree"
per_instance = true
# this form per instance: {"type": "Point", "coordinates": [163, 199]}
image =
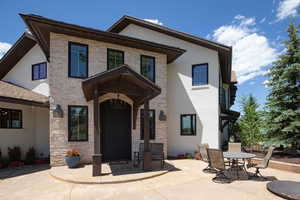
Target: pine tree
{"type": "Point", "coordinates": [283, 100]}
{"type": "Point", "coordinates": [249, 124]}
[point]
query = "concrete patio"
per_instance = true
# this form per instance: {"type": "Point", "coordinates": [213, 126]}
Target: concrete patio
{"type": "Point", "coordinates": [188, 182]}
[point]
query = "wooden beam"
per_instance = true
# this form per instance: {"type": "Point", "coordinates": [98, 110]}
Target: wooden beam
{"type": "Point", "coordinates": [97, 154]}
{"type": "Point", "coordinates": [147, 150]}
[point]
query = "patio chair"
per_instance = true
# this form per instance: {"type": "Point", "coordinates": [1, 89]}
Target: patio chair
{"type": "Point", "coordinates": [203, 152]}
{"type": "Point", "coordinates": [234, 147]}
{"type": "Point", "coordinates": [157, 154]}
{"type": "Point", "coordinates": [263, 165]}
{"type": "Point", "coordinates": [216, 159]}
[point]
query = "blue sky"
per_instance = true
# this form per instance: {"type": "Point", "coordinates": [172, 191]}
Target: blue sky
{"type": "Point", "coordinates": [254, 28]}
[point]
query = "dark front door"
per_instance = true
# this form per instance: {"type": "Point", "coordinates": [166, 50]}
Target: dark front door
{"type": "Point", "coordinates": [115, 130]}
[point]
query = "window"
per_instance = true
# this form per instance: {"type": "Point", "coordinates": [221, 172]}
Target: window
{"type": "Point", "coordinates": [200, 74]}
{"type": "Point", "coordinates": [39, 71]}
{"type": "Point", "coordinates": [115, 58]}
{"type": "Point", "coordinates": [148, 67]}
{"type": "Point", "coordinates": [151, 125]}
{"type": "Point", "coordinates": [78, 60]}
{"type": "Point", "coordinates": [78, 123]}
{"type": "Point", "coordinates": [10, 118]}
{"type": "Point", "coordinates": [188, 124]}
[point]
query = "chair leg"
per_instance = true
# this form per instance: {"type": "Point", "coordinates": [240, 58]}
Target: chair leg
{"type": "Point", "coordinates": [221, 178]}
{"type": "Point", "coordinates": [209, 169]}
{"type": "Point", "coordinates": [258, 174]}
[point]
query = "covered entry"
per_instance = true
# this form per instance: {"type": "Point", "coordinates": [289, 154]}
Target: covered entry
{"type": "Point", "coordinates": [120, 80]}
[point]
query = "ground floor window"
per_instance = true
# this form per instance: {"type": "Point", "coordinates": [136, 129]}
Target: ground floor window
{"type": "Point", "coordinates": [151, 125]}
{"type": "Point", "coordinates": [78, 123]}
{"type": "Point", "coordinates": [188, 124]}
{"type": "Point", "coordinates": [10, 118]}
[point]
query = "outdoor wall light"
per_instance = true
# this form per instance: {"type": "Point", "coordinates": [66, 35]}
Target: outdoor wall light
{"type": "Point", "coordinates": [162, 116]}
{"type": "Point", "coordinates": [58, 112]}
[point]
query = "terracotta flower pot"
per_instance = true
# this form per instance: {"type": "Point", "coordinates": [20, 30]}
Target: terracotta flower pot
{"type": "Point", "coordinates": [72, 161]}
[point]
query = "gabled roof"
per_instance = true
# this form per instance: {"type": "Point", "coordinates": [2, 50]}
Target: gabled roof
{"type": "Point", "coordinates": [121, 79]}
{"type": "Point", "coordinates": [41, 28]}
{"type": "Point", "coordinates": [15, 94]}
{"type": "Point", "coordinates": [225, 52]}
{"type": "Point", "coordinates": [15, 53]}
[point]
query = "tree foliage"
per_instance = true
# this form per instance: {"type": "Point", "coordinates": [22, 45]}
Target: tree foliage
{"type": "Point", "coordinates": [283, 100]}
{"type": "Point", "coordinates": [248, 127]}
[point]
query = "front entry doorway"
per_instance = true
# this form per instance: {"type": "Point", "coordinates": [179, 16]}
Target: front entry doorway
{"type": "Point", "coordinates": [115, 116]}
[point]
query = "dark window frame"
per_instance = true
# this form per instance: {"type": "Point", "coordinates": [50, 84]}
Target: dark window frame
{"type": "Point", "coordinates": [141, 128]}
{"type": "Point", "coordinates": [32, 71]}
{"type": "Point", "coordinates": [152, 57]}
{"type": "Point", "coordinates": [194, 132]}
{"type": "Point", "coordinates": [207, 73]}
{"type": "Point", "coordinates": [69, 123]}
{"type": "Point", "coordinates": [10, 120]}
{"type": "Point", "coordinates": [107, 56]}
{"type": "Point", "coordinates": [69, 60]}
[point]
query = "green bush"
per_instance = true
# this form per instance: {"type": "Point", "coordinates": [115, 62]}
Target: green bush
{"type": "Point", "coordinates": [30, 156]}
{"type": "Point", "coordinates": [14, 154]}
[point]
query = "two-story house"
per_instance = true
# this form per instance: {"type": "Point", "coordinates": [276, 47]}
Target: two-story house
{"type": "Point", "coordinates": [66, 86]}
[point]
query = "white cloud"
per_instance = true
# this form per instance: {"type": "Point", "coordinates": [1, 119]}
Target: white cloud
{"type": "Point", "coordinates": [287, 8]}
{"type": "Point", "coordinates": [4, 47]}
{"type": "Point", "coordinates": [252, 83]}
{"type": "Point", "coordinates": [155, 21]}
{"type": "Point", "coordinates": [251, 50]}
{"type": "Point", "coordinates": [262, 20]}
{"type": "Point", "coordinates": [265, 83]}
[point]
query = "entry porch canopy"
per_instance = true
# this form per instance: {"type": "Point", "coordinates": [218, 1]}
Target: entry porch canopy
{"type": "Point", "coordinates": [121, 80]}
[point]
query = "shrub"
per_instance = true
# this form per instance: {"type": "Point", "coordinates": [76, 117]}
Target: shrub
{"type": "Point", "coordinates": [14, 154]}
{"type": "Point", "coordinates": [30, 156]}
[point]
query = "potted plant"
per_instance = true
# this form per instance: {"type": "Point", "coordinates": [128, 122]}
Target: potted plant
{"type": "Point", "coordinates": [72, 158]}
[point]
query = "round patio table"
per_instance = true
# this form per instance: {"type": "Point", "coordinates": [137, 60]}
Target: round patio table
{"type": "Point", "coordinates": [235, 156]}
{"type": "Point", "coordinates": [238, 155]}
{"type": "Point", "coordinates": [285, 189]}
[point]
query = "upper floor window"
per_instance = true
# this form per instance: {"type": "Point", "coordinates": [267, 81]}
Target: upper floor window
{"type": "Point", "coordinates": [78, 60]}
{"type": "Point", "coordinates": [39, 71]}
{"type": "Point", "coordinates": [78, 123]}
{"type": "Point", "coordinates": [10, 118]}
{"type": "Point", "coordinates": [151, 125]}
{"type": "Point", "coordinates": [115, 58]}
{"type": "Point", "coordinates": [148, 67]}
{"type": "Point", "coordinates": [200, 74]}
{"type": "Point", "coordinates": [188, 124]}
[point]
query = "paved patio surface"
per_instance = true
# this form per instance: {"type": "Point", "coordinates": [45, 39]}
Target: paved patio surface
{"type": "Point", "coordinates": [189, 182]}
{"type": "Point", "coordinates": [123, 172]}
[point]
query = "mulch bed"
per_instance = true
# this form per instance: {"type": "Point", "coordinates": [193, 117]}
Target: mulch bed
{"type": "Point", "coordinates": [282, 157]}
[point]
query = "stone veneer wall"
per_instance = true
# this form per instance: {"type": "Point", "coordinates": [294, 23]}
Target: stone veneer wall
{"type": "Point", "coordinates": [67, 91]}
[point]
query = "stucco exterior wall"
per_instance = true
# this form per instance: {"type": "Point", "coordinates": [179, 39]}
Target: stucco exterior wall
{"type": "Point", "coordinates": [34, 133]}
{"type": "Point", "coordinates": [67, 91]}
{"type": "Point", "coordinates": [21, 73]}
{"type": "Point", "coordinates": [182, 97]}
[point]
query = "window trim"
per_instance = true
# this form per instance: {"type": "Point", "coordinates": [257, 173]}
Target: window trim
{"type": "Point", "coordinates": [207, 73]}
{"type": "Point", "coordinates": [69, 122]}
{"type": "Point", "coordinates": [194, 132]}
{"type": "Point", "coordinates": [69, 60]}
{"type": "Point", "coordinates": [150, 110]}
{"type": "Point", "coordinates": [107, 56]}
{"type": "Point", "coordinates": [32, 66]}
{"type": "Point", "coordinates": [10, 121]}
{"type": "Point", "coordinates": [154, 78]}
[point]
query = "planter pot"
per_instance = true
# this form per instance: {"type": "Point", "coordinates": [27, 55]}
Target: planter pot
{"type": "Point", "coordinates": [72, 161]}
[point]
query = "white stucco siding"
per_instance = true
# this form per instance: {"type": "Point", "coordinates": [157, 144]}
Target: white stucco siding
{"type": "Point", "coordinates": [34, 131]}
{"type": "Point", "coordinates": [182, 97]}
{"type": "Point", "coordinates": [21, 73]}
